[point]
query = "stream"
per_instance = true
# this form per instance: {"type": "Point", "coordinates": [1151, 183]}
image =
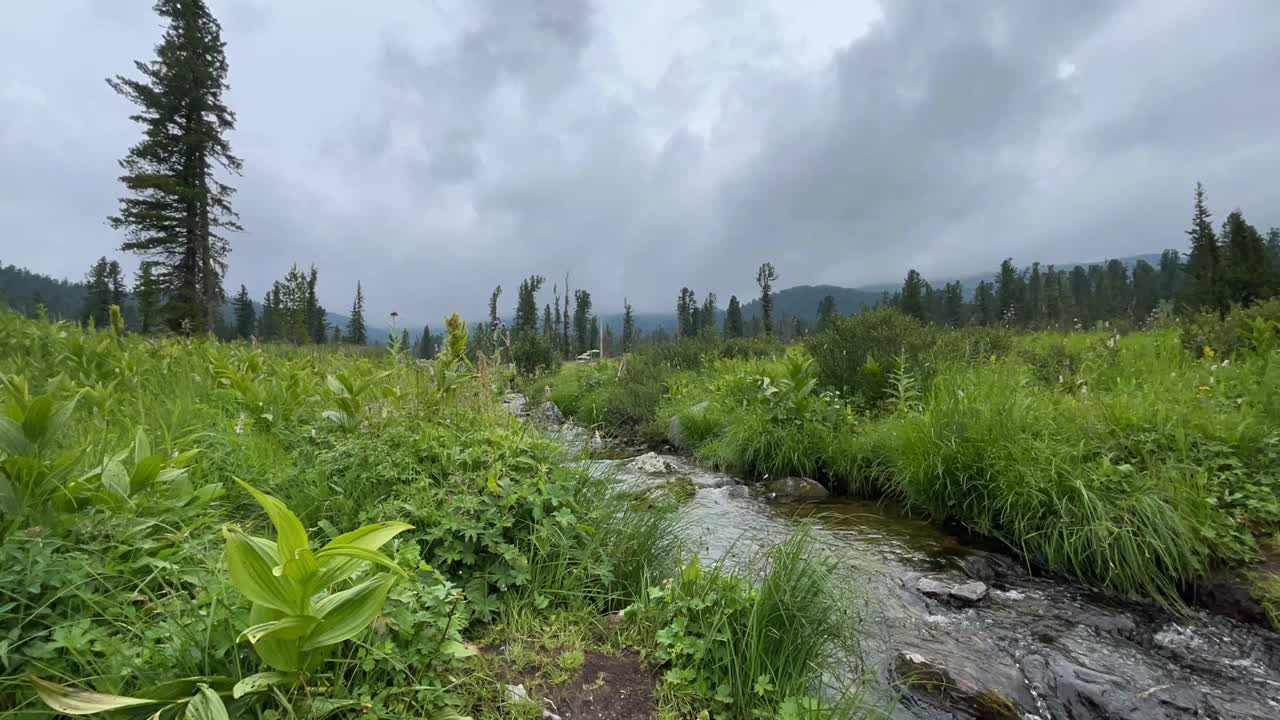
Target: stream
{"type": "Point", "coordinates": [1007, 643]}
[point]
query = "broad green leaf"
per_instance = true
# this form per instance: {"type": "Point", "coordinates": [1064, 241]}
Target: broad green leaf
{"type": "Point", "coordinates": [289, 627]}
{"type": "Point", "coordinates": [206, 705]}
{"type": "Point", "coordinates": [335, 385]}
{"type": "Point", "coordinates": [262, 681]}
{"type": "Point", "coordinates": [300, 568]}
{"type": "Point", "coordinates": [356, 552]}
{"type": "Point", "coordinates": [115, 480]}
{"type": "Point", "coordinates": [71, 701]}
{"type": "Point", "coordinates": [145, 473]}
{"type": "Point", "coordinates": [183, 688]}
{"type": "Point", "coordinates": [252, 575]}
{"type": "Point", "coordinates": [12, 440]}
{"type": "Point", "coordinates": [141, 447]}
{"type": "Point", "coordinates": [36, 421]}
{"type": "Point", "coordinates": [344, 614]}
{"type": "Point", "coordinates": [373, 536]}
{"type": "Point", "coordinates": [290, 535]}
{"type": "Point", "coordinates": [276, 653]}
{"type": "Point", "coordinates": [169, 474]}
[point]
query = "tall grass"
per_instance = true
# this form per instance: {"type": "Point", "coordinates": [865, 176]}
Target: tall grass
{"type": "Point", "coordinates": [778, 636]}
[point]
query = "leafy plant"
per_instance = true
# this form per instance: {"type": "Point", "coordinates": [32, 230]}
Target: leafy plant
{"type": "Point", "coordinates": [348, 393]}
{"type": "Point", "coordinates": [297, 618]}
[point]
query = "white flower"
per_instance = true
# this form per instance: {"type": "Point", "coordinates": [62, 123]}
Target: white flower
{"type": "Point", "coordinates": [1213, 367]}
{"type": "Point", "coordinates": [1059, 379]}
{"type": "Point", "coordinates": [1226, 363]}
{"type": "Point", "coordinates": [1084, 389]}
{"type": "Point", "coordinates": [960, 392]}
{"type": "Point", "coordinates": [240, 424]}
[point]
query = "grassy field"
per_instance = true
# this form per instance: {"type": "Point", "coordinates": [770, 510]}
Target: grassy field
{"type": "Point", "coordinates": [1134, 462]}
{"type": "Point", "coordinates": [189, 526]}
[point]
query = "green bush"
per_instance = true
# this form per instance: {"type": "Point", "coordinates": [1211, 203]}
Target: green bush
{"type": "Point", "coordinates": [855, 355]}
{"type": "Point", "coordinates": [533, 353]}
{"type": "Point", "coordinates": [775, 639]}
{"type": "Point", "coordinates": [1224, 336]}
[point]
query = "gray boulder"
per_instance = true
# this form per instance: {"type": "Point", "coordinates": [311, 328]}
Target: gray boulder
{"type": "Point", "coordinates": [797, 488]}
{"type": "Point", "coordinates": [956, 682]}
{"type": "Point", "coordinates": [970, 593]}
{"type": "Point", "coordinates": [548, 414]}
{"type": "Point", "coordinates": [653, 464]}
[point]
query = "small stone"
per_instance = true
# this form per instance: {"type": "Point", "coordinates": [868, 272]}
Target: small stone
{"type": "Point", "coordinates": [652, 463]}
{"type": "Point", "coordinates": [799, 488]}
{"type": "Point", "coordinates": [517, 693]}
{"type": "Point", "coordinates": [970, 592]}
{"type": "Point", "coordinates": [932, 588]}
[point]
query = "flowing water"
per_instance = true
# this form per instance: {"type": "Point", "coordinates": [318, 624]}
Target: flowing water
{"type": "Point", "coordinates": [1050, 647]}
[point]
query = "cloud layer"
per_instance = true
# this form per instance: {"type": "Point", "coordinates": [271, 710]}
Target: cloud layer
{"type": "Point", "coordinates": [435, 149]}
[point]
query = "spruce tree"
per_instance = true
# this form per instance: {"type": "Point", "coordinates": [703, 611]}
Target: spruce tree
{"type": "Point", "coordinates": [826, 312]}
{"type": "Point", "coordinates": [565, 347]}
{"type": "Point", "coordinates": [1171, 274]}
{"type": "Point", "coordinates": [547, 330]}
{"type": "Point", "coordinates": [526, 319]}
{"type": "Point", "coordinates": [986, 308]}
{"type": "Point", "coordinates": [1247, 276]}
{"type": "Point", "coordinates": [246, 317]}
{"type": "Point", "coordinates": [426, 344]}
{"type": "Point", "coordinates": [581, 322]}
{"type": "Point", "coordinates": [555, 321]}
{"type": "Point", "coordinates": [1009, 291]}
{"type": "Point", "coordinates": [146, 293]}
{"type": "Point", "coordinates": [336, 339]}
{"type": "Point", "coordinates": [1119, 293]}
{"type": "Point", "coordinates": [1082, 297]}
{"type": "Point", "coordinates": [404, 339]}
{"type": "Point", "coordinates": [314, 312]}
{"type": "Point", "coordinates": [97, 295]}
{"type": "Point", "coordinates": [912, 302]}
{"type": "Point", "coordinates": [684, 313]}
{"type": "Point", "coordinates": [628, 327]}
{"type": "Point", "coordinates": [733, 326]}
{"type": "Point", "coordinates": [953, 304]}
{"type": "Point", "coordinates": [1204, 263]}
{"type": "Point", "coordinates": [707, 315]}
{"type": "Point", "coordinates": [1033, 305]}
{"type": "Point", "coordinates": [594, 333]}
{"type": "Point", "coordinates": [1146, 290]}
{"type": "Point", "coordinates": [765, 277]}
{"type": "Point", "coordinates": [177, 211]}
{"type": "Point", "coordinates": [356, 333]}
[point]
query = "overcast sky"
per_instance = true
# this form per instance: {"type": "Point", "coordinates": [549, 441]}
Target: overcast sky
{"type": "Point", "coordinates": [435, 148]}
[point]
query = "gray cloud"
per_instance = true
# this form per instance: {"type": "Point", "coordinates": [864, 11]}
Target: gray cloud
{"type": "Point", "coordinates": [433, 150]}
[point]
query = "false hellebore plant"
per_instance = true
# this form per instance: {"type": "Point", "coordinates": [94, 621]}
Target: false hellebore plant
{"type": "Point", "coordinates": [300, 612]}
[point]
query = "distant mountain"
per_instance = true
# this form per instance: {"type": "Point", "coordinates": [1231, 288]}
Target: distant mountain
{"type": "Point", "coordinates": [377, 333]}
{"type": "Point", "coordinates": [22, 290]}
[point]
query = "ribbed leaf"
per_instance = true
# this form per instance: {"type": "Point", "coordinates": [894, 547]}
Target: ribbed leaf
{"type": "Point", "coordinates": [252, 575]}
{"type": "Point", "coordinates": [71, 701]}
{"type": "Point", "coordinates": [290, 535]}
{"type": "Point", "coordinates": [344, 614]}
{"type": "Point", "coordinates": [35, 423]}
{"type": "Point", "coordinates": [145, 472]}
{"type": "Point", "coordinates": [355, 552]}
{"type": "Point", "coordinates": [335, 385]}
{"type": "Point", "coordinates": [262, 681]}
{"type": "Point", "coordinates": [115, 481]}
{"type": "Point", "coordinates": [206, 705]}
{"type": "Point", "coordinates": [13, 441]}
{"type": "Point", "coordinates": [276, 653]}
{"type": "Point", "coordinates": [61, 413]}
{"type": "Point", "coordinates": [337, 567]}
{"type": "Point", "coordinates": [289, 627]}
{"type": "Point", "coordinates": [141, 447]}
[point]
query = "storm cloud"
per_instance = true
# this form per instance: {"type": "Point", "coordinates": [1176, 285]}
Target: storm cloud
{"type": "Point", "coordinates": [434, 149]}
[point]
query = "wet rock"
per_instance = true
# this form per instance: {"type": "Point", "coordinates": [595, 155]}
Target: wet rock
{"type": "Point", "coordinates": [1229, 593]}
{"type": "Point", "coordinates": [797, 488]}
{"type": "Point", "coordinates": [675, 430]}
{"type": "Point", "coordinates": [548, 414]}
{"type": "Point", "coordinates": [515, 403]}
{"type": "Point", "coordinates": [977, 567]}
{"type": "Point", "coordinates": [1071, 691]}
{"type": "Point", "coordinates": [738, 492]}
{"type": "Point", "coordinates": [653, 464]}
{"type": "Point", "coordinates": [963, 685]}
{"type": "Point", "coordinates": [970, 593]}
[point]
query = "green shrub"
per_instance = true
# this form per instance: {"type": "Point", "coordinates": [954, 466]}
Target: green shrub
{"type": "Point", "coordinates": [771, 640]}
{"type": "Point", "coordinates": [855, 355]}
{"type": "Point", "coordinates": [1224, 336]}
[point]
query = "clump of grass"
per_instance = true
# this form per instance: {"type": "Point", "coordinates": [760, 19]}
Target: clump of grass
{"type": "Point", "coordinates": [780, 633]}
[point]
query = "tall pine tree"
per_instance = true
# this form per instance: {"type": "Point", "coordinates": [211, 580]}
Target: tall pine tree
{"type": "Point", "coordinates": [765, 277]}
{"type": "Point", "coordinates": [147, 294]}
{"type": "Point", "coordinates": [582, 339]}
{"type": "Point", "coordinates": [826, 312]}
{"type": "Point", "coordinates": [177, 211]}
{"type": "Point", "coordinates": [246, 317]}
{"type": "Point", "coordinates": [733, 326]}
{"type": "Point", "coordinates": [913, 302]}
{"type": "Point", "coordinates": [1204, 262]}
{"type": "Point", "coordinates": [628, 327]}
{"type": "Point", "coordinates": [1247, 264]}
{"type": "Point", "coordinates": [356, 332]}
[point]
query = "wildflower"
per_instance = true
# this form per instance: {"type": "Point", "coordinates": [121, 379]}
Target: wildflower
{"type": "Point", "coordinates": [240, 424]}
{"type": "Point", "coordinates": [395, 314]}
{"type": "Point", "coordinates": [1084, 389]}
{"type": "Point", "coordinates": [1059, 379]}
{"type": "Point", "coordinates": [1208, 352]}
{"type": "Point", "coordinates": [960, 393]}
{"type": "Point", "coordinates": [1213, 367]}
{"type": "Point", "coordinates": [1226, 363]}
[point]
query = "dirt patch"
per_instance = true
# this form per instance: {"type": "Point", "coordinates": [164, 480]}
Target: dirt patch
{"type": "Point", "coordinates": [1233, 592]}
{"type": "Point", "coordinates": [607, 687]}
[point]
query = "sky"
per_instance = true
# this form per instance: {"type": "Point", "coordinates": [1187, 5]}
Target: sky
{"type": "Point", "coordinates": [432, 149]}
